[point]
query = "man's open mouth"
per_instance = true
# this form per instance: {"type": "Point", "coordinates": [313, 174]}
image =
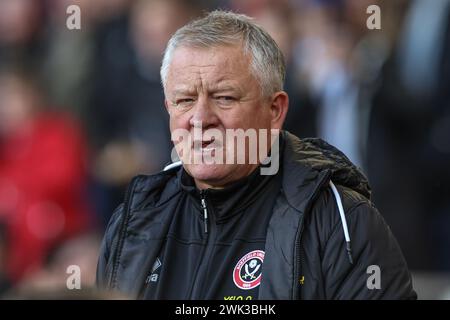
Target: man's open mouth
{"type": "Point", "coordinates": [205, 144]}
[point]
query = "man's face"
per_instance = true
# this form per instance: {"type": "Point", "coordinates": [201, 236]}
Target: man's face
{"type": "Point", "coordinates": [214, 88]}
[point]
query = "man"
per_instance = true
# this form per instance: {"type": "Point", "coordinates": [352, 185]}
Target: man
{"type": "Point", "coordinates": [222, 226]}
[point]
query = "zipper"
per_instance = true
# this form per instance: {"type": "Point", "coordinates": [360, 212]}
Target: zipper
{"type": "Point", "coordinates": [205, 210]}
{"type": "Point", "coordinates": [197, 286]}
{"type": "Point", "coordinates": [298, 270]}
{"type": "Point", "coordinates": [118, 245]}
{"type": "Point", "coordinates": [299, 282]}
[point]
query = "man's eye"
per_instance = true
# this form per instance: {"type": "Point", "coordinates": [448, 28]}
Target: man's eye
{"type": "Point", "coordinates": [185, 102]}
{"type": "Point", "coordinates": [188, 100]}
{"type": "Point", "coordinates": [225, 99]}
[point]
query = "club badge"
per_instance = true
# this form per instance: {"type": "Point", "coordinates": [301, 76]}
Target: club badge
{"type": "Point", "coordinates": [247, 272]}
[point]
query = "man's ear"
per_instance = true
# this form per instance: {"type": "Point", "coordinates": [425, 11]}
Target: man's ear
{"type": "Point", "coordinates": [279, 109]}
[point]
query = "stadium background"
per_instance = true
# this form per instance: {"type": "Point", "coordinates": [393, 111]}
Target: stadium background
{"type": "Point", "coordinates": [81, 112]}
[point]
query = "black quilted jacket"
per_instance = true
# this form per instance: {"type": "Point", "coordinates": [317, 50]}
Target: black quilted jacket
{"type": "Point", "coordinates": [306, 253]}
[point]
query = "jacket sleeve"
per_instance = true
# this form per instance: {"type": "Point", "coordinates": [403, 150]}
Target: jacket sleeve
{"type": "Point", "coordinates": [104, 262]}
{"type": "Point", "coordinates": [379, 270]}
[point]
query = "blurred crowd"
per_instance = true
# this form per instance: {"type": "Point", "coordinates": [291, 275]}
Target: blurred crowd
{"type": "Point", "coordinates": [81, 112]}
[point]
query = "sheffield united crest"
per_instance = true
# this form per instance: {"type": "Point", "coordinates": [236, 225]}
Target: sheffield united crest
{"type": "Point", "coordinates": [247, 272]}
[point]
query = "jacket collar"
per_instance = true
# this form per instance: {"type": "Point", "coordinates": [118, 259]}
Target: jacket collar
{"type": "Point", "coordinates": [309, 163]}
{"type": "Point", "coordinates": [300, 182]}
{"type": "Point", "coordinates": [306, 165]}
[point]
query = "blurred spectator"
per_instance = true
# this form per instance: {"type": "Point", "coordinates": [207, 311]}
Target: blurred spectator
{"type": "Point", "coordinates": [81, 251]}
{"type": "Point", "coordinates": [42, 175]}
{"type": "Point", "coordinates": [5, 283]}
{"type": "Point", "coordinates": [128, 120]}
{"type": "Point", "coordinates": [50, 282]}
{"type": "Point", "coordinates": [323, 51]}
{"type": "Point", "coordinates": [409, 148]}
{"type": "Point", "coordinates": [279, 19]}
{"type": "Point", "coordinates": [70, 55]}
{"type": "Point", "coordinates": [21, 23]}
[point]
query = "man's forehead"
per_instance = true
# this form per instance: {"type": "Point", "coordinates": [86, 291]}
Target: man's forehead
{"type": "Point", "coordinates": [223, 57]}
{"type": "Point", "coordinates": [223, 84]}
{"type": "Point", "coordinates": [221, 67]}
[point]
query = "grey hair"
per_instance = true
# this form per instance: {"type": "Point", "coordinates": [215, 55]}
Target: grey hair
{"type": "Point", "coordinates": [227, 28]}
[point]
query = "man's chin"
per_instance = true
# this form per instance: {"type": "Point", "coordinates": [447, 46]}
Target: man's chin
{"type": "Point", "coordinates": [210, 174]}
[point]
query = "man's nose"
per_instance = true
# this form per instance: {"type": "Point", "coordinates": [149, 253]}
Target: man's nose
{"type": "Point", "coordinates": [204, 114]}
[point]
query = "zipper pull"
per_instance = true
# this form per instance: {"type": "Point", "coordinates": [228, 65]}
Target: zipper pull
{"type": "Point", "coordinates": [205, 214]}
